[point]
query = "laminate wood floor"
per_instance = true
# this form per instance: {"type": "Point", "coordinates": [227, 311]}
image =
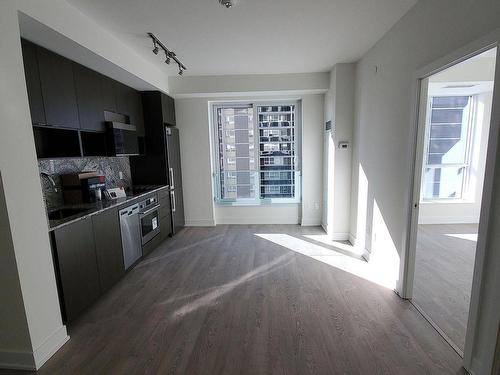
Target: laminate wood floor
{"type": "Point", "coordinates": [225, 301]}
{"type": "Point", "coordinates": [444, 267]}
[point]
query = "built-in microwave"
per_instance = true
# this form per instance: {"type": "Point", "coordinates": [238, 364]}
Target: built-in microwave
{"type": "Point", "coordinates": [122, 139]}
{"type": "Point", "coordinates": [149, 218]}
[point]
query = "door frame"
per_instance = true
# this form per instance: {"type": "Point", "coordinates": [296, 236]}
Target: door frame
{"type": "Point", "coordinates": [412, 198]}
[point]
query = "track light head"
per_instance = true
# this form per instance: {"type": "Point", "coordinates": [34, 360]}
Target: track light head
{"type": "Point", "coordinates": [167, 58]}
{"type": "Point", "coordinates": [180, 71]}
{"type": "Point", "coordinates": [155, 50]}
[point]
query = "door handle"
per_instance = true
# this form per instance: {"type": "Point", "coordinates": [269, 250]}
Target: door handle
{"type": "Point", "coordinates": [172, 194]}
{"type": "Point", "coordinates": [172, 183]}
{"type": "Point", "coordinates": [150, 210]}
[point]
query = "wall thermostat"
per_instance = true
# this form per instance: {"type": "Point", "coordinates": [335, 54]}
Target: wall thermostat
{"type": "Point", "coordinates": [343, 145]}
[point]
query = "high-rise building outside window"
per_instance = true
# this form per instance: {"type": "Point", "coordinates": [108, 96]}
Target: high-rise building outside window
{"type": "Point", "coordinates": [256, 153]}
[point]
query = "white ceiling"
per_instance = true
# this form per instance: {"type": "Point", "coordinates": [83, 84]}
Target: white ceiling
{"type": "Point", "coordinates": [253, 37]}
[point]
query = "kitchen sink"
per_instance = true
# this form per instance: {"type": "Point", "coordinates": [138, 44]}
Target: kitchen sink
{"type": "Point", "coordinates": [63, 213]}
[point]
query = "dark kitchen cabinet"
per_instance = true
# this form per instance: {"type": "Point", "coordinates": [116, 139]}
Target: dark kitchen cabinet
{"type": "Point", "coordinates": [168, 109]}
{"type": "Point", "coordinates": [89, 98]}
{"type": "Point", "coordinates": [33, 83]}
{"type": "Point", "coordinates": [58, 89]}
{"type": "Point", "coordinates": [108, 245]}
{"type": "Point", "coordinates": [77, 266]}
{"type": "Point", "coordinates": [56, 143]}
{"type": "Point", "coordinates": [108, 94]}
{"type": "Point", "coordinates": [129, 103]}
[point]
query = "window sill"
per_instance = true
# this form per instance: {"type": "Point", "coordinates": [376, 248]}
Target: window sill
{"type": "Point", "coordinates": [280, 202]}
{"type": "Point", "coordinates": [447, 201]}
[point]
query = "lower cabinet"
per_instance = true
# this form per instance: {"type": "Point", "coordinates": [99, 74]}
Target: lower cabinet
{"type": "Point", "coordinates": [77, 265]}
{"type": "Point", "coordinates": [89, 257]}
{"type": "Point", "coordinates": [108, 245]}
{"type": "Point", "coordinates": [89, 260]}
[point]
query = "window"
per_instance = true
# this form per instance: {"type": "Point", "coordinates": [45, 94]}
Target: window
{"type": "Point", "coordinates": [448, 141]}
{"type": "Point", "coordinates": [256, 159]}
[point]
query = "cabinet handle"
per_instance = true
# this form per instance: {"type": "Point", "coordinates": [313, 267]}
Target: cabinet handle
{"type": "Point", "coordinates": [171, 171]}
{"type": "Point", "coordinates": [172, 193]}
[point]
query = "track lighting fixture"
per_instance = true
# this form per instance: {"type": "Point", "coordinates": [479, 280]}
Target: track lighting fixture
{"type": "Point", "coordinates": [169, 55]}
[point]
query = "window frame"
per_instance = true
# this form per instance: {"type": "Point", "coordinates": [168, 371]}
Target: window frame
{"type": "Point", "coordinates": [469, 134]}
{"type": "Point", "coordinates": [217, 184]}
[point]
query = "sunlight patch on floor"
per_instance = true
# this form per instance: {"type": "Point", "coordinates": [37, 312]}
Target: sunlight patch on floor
{"type": "Point", "coordinates": [463, 236]}
{"type": "Point", "coordinates": [374, 272]}
{"type": "Point", "coordinates": [210, 297]}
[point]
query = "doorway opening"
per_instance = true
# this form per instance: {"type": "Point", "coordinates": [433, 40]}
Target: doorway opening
{"type": "Point", "coordinates": [454, 127]}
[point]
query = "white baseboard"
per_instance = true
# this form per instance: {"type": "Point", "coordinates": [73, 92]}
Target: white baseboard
{"type": "Point", "coordinates": [200, 223]}
{"type": "Point", "coordinates": [352, 239]}
{"type": "Point", "coordinates": [34, 360]}
{"type": "Point", "coordinates": [354, 242]}
{"type": "Point", "coordinates": [340, 236]}
{"type": "Point", "coordinates": [50, 346]}
{"type": "Point", "coordinates": [257, 220]}
{"type": "Point", "coordinates": [310, 222]}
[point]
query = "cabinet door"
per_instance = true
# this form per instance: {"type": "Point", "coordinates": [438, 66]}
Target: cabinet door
{"type": "Point", "coordinates": [129, 103]}
{"type": "Point", "coordinates": [168, 109]}
{"type": "Point", "coordinates": [58, 89]}
{"type": "Point", "coordinates": [33, 83]}
{"type": "Point", "coordinates": [108, 94]}
{"type": "Point", "coordinates": [77, 266]}
{"type": "Point", "coordinates": [122, 95]}
{"type": "Point", "coordinates": [89, 99]}
{"type": "Point", "coordinates": [108, 245]}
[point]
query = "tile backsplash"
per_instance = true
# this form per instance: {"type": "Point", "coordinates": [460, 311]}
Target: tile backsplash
{"type": "Point", "coordinates": [108, 166]}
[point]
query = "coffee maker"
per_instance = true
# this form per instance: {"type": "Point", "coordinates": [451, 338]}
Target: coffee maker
{"type": "Point", "coordinates": [85, 187]}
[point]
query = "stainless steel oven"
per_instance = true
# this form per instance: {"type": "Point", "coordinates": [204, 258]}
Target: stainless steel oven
{"type": "Point", "coordinates": [149, 218]}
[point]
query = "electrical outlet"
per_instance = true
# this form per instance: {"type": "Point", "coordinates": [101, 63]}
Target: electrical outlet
{"type": "Point", "coordinates": [120, 175]}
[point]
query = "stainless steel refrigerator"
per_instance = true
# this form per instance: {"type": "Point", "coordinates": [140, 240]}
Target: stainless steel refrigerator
{"type": "Point", "coordinates": [175, 177]}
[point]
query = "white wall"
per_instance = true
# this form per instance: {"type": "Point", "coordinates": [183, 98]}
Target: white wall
{"type": "Point", "coordinates": [383, 119]}
{"type": "Point", "coordinates": [27, 248]}
{"type": "Point", "coordinates": [193, 121]}
{"type": "Point", "coordinates": [339, 108]}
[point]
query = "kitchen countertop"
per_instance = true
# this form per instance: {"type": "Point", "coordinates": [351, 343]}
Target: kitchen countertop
{"type": "Point", "coordinates": [90, 209]}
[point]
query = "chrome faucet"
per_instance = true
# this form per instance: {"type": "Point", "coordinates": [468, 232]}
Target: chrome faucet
{"type": "Point", "coordinates": [49, 177]}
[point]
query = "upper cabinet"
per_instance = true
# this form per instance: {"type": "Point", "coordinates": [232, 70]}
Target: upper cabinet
{"type": "Point", "coordinates": [128, 103]}
{"type": "Point", "coordinates": [33, 83]}
{"type": "Point", "coordinates": [58, 89]}
{"type": "Point", "coordinates": [168, 109]}
{"type": "Point", "coordinates": [89, 97]}
{"type": "Point", "coordinates": [66, 96]}
{"type": "Point", "coordinates": [108, 94]}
